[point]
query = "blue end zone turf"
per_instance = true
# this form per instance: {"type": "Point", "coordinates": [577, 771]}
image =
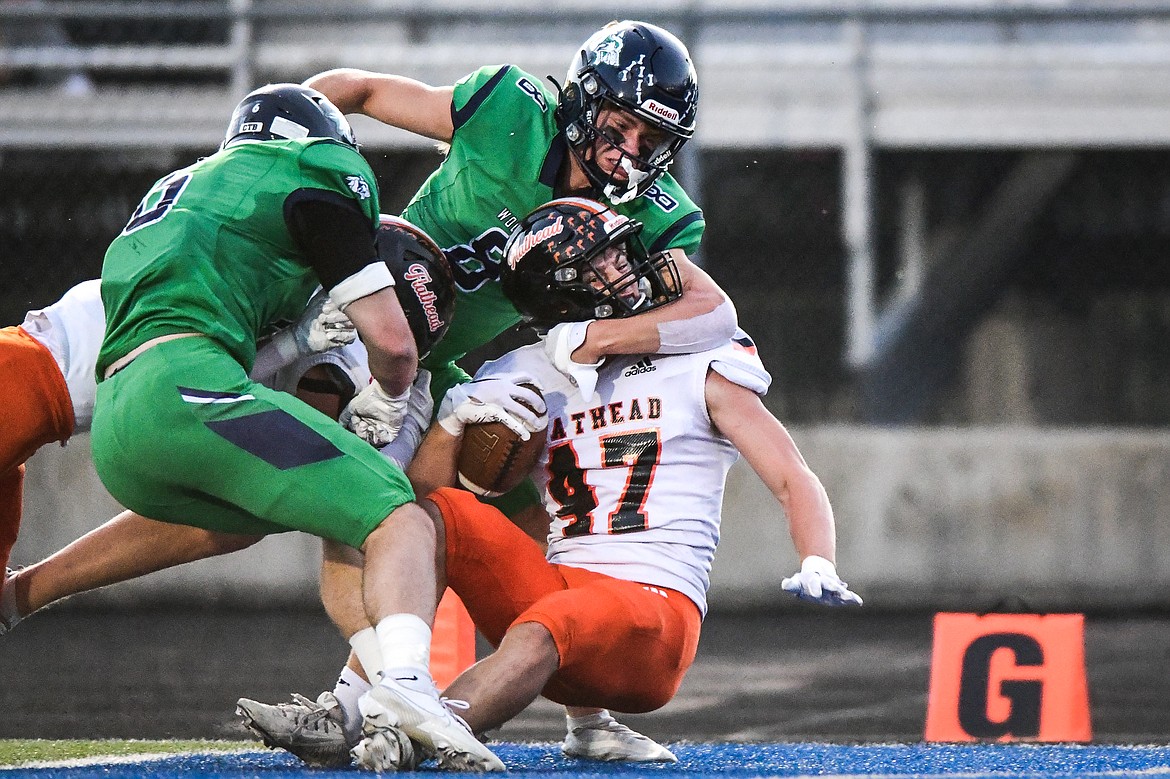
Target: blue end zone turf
{"type": "Point", "coordinates": [1042, 761]}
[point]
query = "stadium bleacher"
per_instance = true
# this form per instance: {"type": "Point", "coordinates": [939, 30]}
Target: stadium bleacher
{"type": "Point", "coordinates": [774, 74]}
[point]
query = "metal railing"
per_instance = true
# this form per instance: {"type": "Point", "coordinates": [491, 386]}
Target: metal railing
{"type": "Point", "coordinates": [855, 76]}
{"type": "Point", "coordinates": [232, 59]}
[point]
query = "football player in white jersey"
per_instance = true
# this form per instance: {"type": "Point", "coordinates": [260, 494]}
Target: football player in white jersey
{"type": "Point", "coordinates": [47, 392]}
{"type": "Point", "coordinates": [633, 473]}
{"type": "Point", "coordinates": [48, 376]}
{"type": "Point", "coordinates": [320, 360]}
{"type": "Point", "coordinates": [47, 367]}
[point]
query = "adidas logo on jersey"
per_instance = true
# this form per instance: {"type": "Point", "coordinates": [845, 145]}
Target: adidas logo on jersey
{"type": "Point", "coordinates": [641, 366]}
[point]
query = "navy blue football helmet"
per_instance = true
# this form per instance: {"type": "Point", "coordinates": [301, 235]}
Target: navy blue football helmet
{"type": "Point", "coordinates": [287, 111]}
{"type": "Point", "coordinates": [641, 69]}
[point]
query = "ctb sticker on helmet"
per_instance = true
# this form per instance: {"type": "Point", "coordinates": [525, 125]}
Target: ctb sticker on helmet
{"type": "Point", "coordinates": [287, 111]}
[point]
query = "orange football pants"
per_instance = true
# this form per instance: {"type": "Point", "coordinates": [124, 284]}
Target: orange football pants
{"type": "Point", "coordinates": [623, 645]}
{"type": "Point", "coordinates": [36, 410]}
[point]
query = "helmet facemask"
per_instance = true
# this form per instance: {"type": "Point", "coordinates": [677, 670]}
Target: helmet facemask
{"type": "Point", "coordinates": [621, 280]}
{"type": "Point", "coordinates": [641, 169]}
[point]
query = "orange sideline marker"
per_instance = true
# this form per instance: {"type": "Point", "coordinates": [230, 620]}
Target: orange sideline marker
{"type": "Point", "coordinates": [452, 640]}
{"type": "Point", "coordinates": [1008, 677]}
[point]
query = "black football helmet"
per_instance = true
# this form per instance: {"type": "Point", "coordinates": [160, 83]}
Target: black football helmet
{"type": "Point", "coordinates": [422, 279]}
{"type": "Point", "coordinates": [557, 269]}
{"type": "Point", "coordinates": [641, 69]}
{"type": "Point", "coordinates": [287, 111]}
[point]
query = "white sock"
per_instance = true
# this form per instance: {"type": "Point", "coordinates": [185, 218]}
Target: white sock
{"type": "Point", "coordinates": [351, 686]}
{"type": "Point", "coordinates": [405, 641]}
{"type": "Point", "coordinates": [587, 720]}
{"type": "Point", "coordinates": [365, 645]}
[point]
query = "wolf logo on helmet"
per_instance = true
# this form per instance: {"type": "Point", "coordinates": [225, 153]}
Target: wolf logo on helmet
{"type": "Point", "coordinates": [609, 51]}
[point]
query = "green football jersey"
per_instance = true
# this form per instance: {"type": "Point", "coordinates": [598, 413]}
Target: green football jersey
{"type": "Point", "coordinates": [208, 250]}
{"type": "Point", "coordinates": [503, 162]}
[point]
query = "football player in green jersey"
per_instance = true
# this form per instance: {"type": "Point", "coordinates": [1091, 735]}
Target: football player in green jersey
{"type": "Point", "coordinates": [216, 254]}
{"type": "Point", "coordinates": [628, 104]}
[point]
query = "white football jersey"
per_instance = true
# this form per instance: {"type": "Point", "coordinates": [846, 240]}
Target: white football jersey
{"type": "Point", "coordinates": [634, 477]}
{"type": "Point", "coordinates": [352, 359]}
{"type": "Point", "coordinates": [72, 330]}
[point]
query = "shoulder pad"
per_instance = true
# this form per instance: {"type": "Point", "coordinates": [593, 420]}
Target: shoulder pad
{"type": "Point", "coordinates": [738, 361]}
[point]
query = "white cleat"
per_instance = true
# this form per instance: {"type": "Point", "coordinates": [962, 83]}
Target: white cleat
{"type": "Point", "coordinates": [601, 737]}
{"type": "Point", "coordinates": [385, 748]}
{"type": "Point", "coordinates": [314, 731]}
{"type": "Point", "coordinates": [429, 722]}
{"type": "Point", "coordinates": [9, 616]}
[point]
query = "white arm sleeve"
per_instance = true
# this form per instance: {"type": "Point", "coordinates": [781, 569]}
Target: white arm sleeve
{"type": "Point", "coordinates": [366, 281]}
{"type": "Point", "coordinates": [700, 333]}
{"type": "Point", "coordinates": [278, 353]}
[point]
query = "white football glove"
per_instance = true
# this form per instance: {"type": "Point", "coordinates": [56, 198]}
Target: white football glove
{"type": "Point", "coordinates": [559, 345]}
{"type": "Point", "coordinates": [321, 326]}
{"type": "Point", "coordinates": [493, 400]}
{"type": "Point", "coordinates": [817, 581]}
{"type": "Point", "coordinates": [414, 425]}
{"type": "Point", "coordinates": [374, 415]}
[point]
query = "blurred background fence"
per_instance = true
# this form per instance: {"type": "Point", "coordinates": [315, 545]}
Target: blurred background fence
{"type": "Point", "coordinates": [946, 223]}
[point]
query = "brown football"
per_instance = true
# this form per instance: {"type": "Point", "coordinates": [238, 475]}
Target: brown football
{"type": "Point", "coordinates": [493, 459]}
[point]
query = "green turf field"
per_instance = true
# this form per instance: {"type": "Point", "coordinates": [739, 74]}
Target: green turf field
{"type": "Point", "coordinates": [14, 752]}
